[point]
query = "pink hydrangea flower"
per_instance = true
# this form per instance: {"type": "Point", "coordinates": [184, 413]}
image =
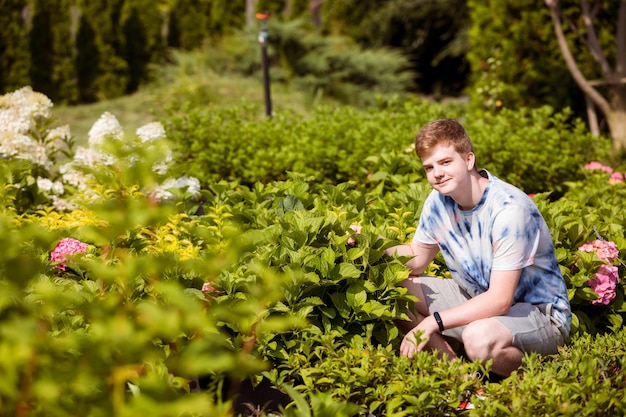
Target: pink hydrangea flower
{"type": "Point", "coordinates": [606, 250]}
{"type": "Point", "coordinates": [208, 287]}
{"type": "Point", "coordinates": [604, 284]}
{"type": "Point", "coordinates": [616, 178]}
{"type": "Point", "coordinates": [605, 280]}
{"type": "Point", "coordinates": [64, 249]}
{"type": "Point", "coordinates": [597, 165]}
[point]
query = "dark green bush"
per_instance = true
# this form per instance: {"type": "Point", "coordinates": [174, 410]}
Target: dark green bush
{"type": "Point", "coordinates": [332, 144]}
{"type": "Point", "coordinates": [535, 149]}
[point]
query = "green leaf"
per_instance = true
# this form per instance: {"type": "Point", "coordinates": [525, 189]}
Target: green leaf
{"type": "Point", "coordinates": [341, 304]}
{"type": "Point", "coordinates": [347, 270]}
{"type": "Point", "coordinates": [356, 295]}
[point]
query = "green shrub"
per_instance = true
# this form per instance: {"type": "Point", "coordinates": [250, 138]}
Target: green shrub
{"type": "Point", "coordinates": [332, 144]}
{"type": "Point", "coordinates": [585, 378]}
{"type": "Point", "coordinates": [535, 149]}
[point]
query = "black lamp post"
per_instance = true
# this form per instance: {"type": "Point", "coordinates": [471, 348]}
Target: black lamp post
{"type": "Point", "coordinates": [263, 38]}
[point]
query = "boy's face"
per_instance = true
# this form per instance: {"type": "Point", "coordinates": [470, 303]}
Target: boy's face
{"type": "Point", "coordinates": [447, 170]}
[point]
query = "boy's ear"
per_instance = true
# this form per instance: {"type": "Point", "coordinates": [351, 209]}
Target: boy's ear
{"type": "Point", "coordinates": [470, 159]}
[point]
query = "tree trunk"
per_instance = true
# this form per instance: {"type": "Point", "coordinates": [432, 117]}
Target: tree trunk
{"type": "Point", "coordinates": [315, 8]}
{"type": "Point", "coordinates": [592, 116]}
{"type": "Point", "coordinates": [250, 13]}
{"type": "Point", "coordinates": [616, 119]}
{"type": "Point", "coordinates": [288, 9]}
{"type": "Point", "coordinates": [613, 106]}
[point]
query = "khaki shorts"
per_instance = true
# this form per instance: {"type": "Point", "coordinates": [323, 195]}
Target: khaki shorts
{"type": "Point", "coordinates": [532, 325]}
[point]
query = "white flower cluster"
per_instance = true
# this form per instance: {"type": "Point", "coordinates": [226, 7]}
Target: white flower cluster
{"type": "Point", "coordinates": [22, 114]}
{"type": "Point", "coordinates": [20, 110]}
{"type": "Point", "coordinates": [163, 193]}
{"type": "Point", "coordinates": [151, 132]}
{"type": "Point", "coordinates": [107, 126]}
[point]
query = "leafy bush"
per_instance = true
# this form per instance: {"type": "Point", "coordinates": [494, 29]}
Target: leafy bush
{"type": "Point", "coordinates": [536, 149]}
{"type": "Point", "coordinates": [589, 211]}
{"type": "Point", "coordinates": [585, 378]}
{"type": "Point", "coordinates": [333, 145]}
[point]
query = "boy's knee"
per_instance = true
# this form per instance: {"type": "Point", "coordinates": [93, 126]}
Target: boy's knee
{"type": "Point", "coordinates": [480, 341]}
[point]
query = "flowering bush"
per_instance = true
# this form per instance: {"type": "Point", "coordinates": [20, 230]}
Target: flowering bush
{"type": "Point", "coordinates": [605, 281]}
{"type": "Point", "coordinates": [65, 249]}
{"type": "Point", "coordinates": [615, 177]}
{"type": "Point", "coordinates": [26, 135]}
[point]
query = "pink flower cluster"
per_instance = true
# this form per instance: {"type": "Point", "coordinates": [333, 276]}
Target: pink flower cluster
{"type": "Point", "coordinates": [614, 178]}
{"type": "Point", "coordinates": [208, 287]}
{"type": "Point", "coordinates": [64, 249]}
{"type": "Point", "coordinates": [606, 279]}
{"type": "Point", "coordinates": [606, 250]}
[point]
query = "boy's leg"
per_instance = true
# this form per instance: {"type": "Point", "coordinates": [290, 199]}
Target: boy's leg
{"type": "Point", "coordinates": [490, 339]}
{"type": "Point", "coordinates": [526, 328]}
{"type": "Point", "coordinates": [424, 288]}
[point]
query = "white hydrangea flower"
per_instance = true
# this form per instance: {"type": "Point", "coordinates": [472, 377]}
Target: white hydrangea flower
{"type": "Point", "coordinates": [161, 192]}
{"type": "Point", "coordinates": [57, 188]}
{"type": "Point", "coordinates": [91, 157]}
{"type": "Point", "coordinates": [151, 131]}
{"type": "Point", "coordinates": [72, 176]}
{"type": "Point", "coordinates": [192, 184]}
{"type": "Point", "coordinates": [13, 144]}
{"type": "Point", "coordinates": [54, 187]}
{"type": "Point", "coordinates": [161, 168]}
{"type": "Point", "coordinates": [61, 132]}
{"type": "Point", "coordinates": [44, 184]}
{"type": "Point", "coordinates": [61, 204]}
{"type": "Point", "coordinates": [21, 109]}
{"type": "Point", "coordinates": [107, 126]}
{"type": "Point", "coordinates": [57, 138]}
{"type": "Point", "coordinates": [11, 120]}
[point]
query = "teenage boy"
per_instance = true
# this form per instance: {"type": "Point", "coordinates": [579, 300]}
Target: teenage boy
{"type": "Point", "coordinates": [507, 295]}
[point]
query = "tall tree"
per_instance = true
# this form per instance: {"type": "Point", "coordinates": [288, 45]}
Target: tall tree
{"type": "Point", "coordinates": [612, 100]}
{"type": "Point", "coordinates": [15, 25]}
{"type": "Point", "coordinates": [51, 47]}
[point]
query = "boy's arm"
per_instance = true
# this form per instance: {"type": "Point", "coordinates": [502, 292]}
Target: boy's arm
{"type": "Point", "coordinates": [422, 255]}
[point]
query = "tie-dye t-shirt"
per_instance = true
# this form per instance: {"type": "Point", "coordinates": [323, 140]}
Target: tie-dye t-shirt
{"type": "Point", "coordinates": [505, 231]}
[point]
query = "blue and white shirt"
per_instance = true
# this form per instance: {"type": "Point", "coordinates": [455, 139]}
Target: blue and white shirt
{"type": "Point", "coordinates": [505, 231]}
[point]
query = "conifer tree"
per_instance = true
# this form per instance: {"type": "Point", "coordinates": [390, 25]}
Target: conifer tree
{"type": "Point", "coordinates": [15, 64]}
{"type": "Point", "coordinates": [141, 25]}
{"type": "Point", "coordinates": [102, 70]}
{"type": "Point", "coordinates": [51, 47]}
